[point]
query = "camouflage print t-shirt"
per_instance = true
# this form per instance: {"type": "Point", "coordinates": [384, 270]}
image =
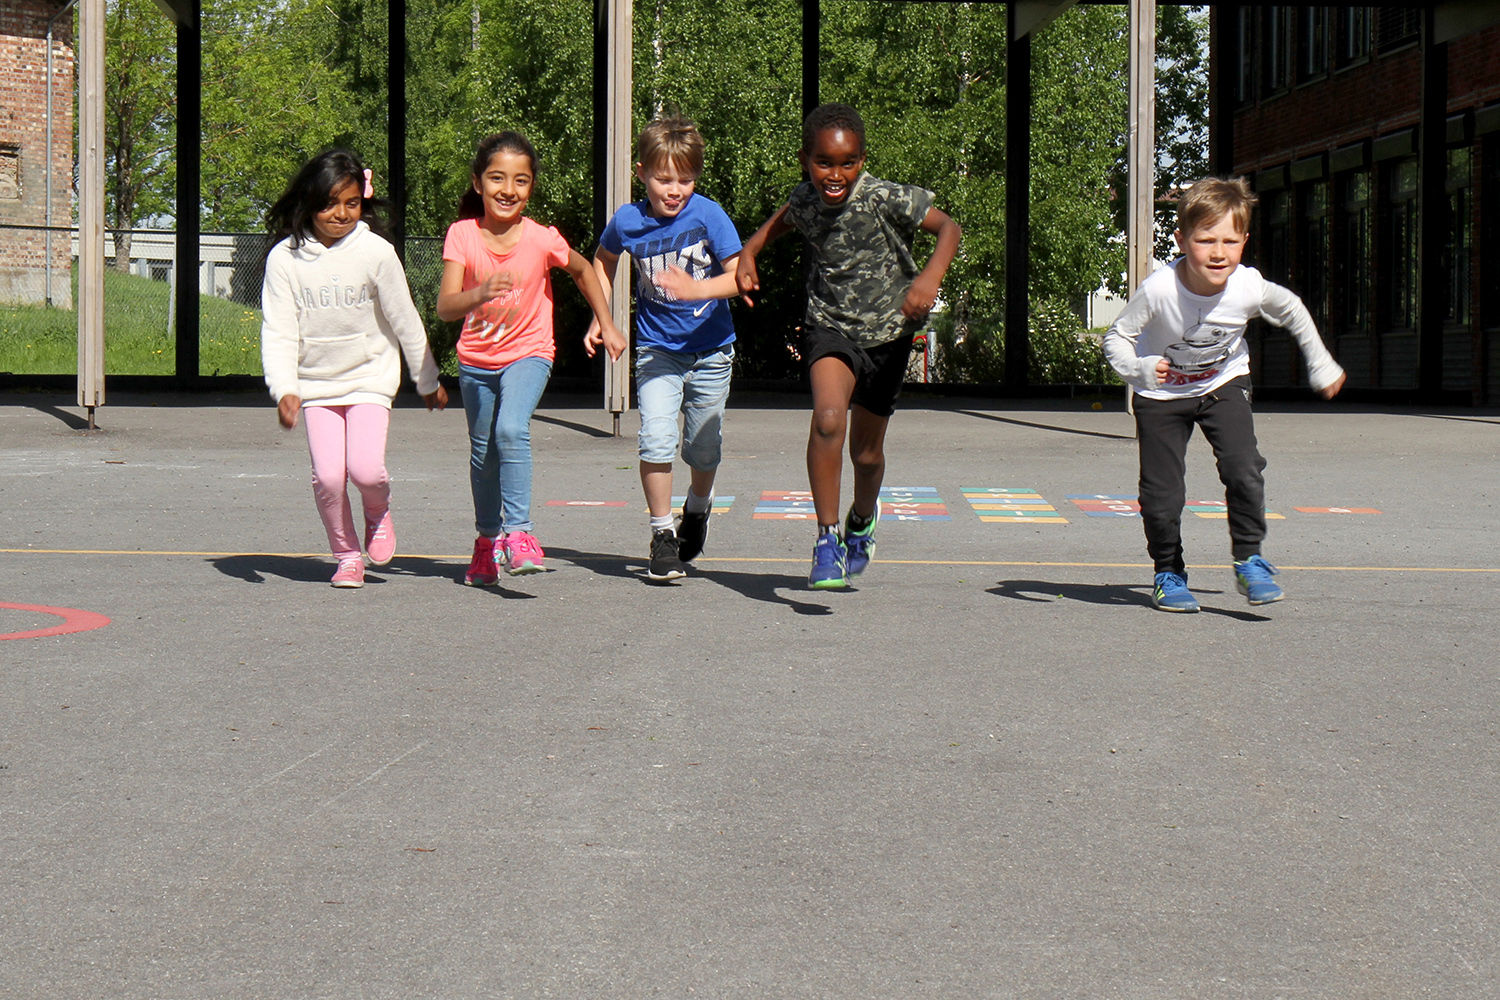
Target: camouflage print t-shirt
{"type": "Point", "coordinates": [860, 264]}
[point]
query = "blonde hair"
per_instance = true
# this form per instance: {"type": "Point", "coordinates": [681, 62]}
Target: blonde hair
{"type": "Point", "coordinates": [675, 141]}
{"type": "Point", "coordinates": [1212, 198]}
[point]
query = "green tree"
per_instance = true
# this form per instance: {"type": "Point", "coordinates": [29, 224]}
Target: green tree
{"type": "Point", "coordinates": [275, 92]}
{"type": "Point", "coordinates": [139, 101]}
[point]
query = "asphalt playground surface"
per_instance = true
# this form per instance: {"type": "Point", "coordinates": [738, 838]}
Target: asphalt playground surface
{"type": "Point", "coordinates": [989, 769]}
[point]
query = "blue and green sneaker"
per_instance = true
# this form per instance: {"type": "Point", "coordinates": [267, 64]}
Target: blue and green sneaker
{"type": "Point", "coordinates": [830, 563]}
{"type": "Point", "coordinates": [860, 545]}
{"type": "Point", "coordinates": [1253, 579]}
{"type": "Point", "coordinates": [1171, 593]}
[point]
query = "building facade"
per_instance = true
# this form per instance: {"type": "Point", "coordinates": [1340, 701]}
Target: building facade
{"type": "Point", "coordinates": [33, 267]}
{"type": "Point", "coordinates": [1372, 137]}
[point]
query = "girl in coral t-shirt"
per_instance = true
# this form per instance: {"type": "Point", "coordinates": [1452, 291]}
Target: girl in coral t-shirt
{"type": "Point", "coordinates": [497, 278]}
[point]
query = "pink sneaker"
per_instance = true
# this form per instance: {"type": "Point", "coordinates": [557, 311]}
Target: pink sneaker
{"type": "Point", "coordinates": [380, 539]}
{"type": "Point", "coordinates": [522, 554]}
{"type": "Point", "coordinates": [482, 571]}
{"type": "Point", "coordinates": [350, 574]}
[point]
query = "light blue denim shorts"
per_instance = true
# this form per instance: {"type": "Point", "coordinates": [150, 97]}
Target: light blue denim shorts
{"type": "Point", "coordinates": [694, 386]}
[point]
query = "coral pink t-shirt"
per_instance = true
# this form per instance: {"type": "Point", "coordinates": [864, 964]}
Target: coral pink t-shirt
{"type": "Point", "coordinates": [517, 323]}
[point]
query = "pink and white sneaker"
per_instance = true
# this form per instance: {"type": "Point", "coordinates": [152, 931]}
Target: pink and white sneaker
{"type": "Point", "coordinates": [350, 574]}
{"type": "Point", "coordinates": [380, 539]}
{"type": "Point", "coordinates": [481, 572]}
{"type": "Point", "coordinates": [522, 554]}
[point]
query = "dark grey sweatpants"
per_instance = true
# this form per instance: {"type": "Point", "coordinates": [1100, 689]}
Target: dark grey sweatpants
{"type": "Point", "coordinates": [1162, 428]}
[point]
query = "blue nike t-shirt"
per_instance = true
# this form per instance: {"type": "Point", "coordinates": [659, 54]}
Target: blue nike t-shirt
{"type": "Point", "coordinates": [697, 239]}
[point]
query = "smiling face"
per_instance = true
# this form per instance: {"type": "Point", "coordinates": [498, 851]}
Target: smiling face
{"type": "Point", "coordinates": [505, 186]}
{"type": "Point", "coordinates": [668, 186]}
{"type": "Point", "coordinates": [836, 158]}
{"type": "Point", "coordinates": [337, 219]}
{"type": "Point", "coordinates": [1210, 253]}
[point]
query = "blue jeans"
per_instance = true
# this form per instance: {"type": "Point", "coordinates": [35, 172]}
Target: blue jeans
{"type": "Point", "coordinates": [695, 385]}
{"type": "Point", "coordinates": [498, 406]}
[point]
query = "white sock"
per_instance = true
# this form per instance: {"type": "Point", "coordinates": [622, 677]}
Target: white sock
{"type": "Point", "coordinates": [662, 523]}
{"type": "Point", "coordinates": [694, 504]}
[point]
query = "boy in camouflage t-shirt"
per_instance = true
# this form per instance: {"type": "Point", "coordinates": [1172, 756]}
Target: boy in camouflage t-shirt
{"type": "Point", "coordinates": [866, 298]}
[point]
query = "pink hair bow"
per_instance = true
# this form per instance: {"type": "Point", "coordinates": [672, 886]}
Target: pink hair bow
{"type": "Point", "coordinates": [369, 188]}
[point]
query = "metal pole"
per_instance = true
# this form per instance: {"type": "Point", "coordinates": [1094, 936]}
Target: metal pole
{"type": "Point", "coordinates": [47, 265]}
{"type": "Point", "coordinates": [91, 206]}
{"type": "Point", "coordinates": [1017, 202]}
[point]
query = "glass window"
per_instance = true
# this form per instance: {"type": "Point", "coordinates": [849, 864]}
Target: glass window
{"type": "Point", "coordinates": [1351, 270]}
{"type": "Point", "coordinates": [1457, 247]}
{"type": "Point", "coordinates": [1312, 42]}
{"type": "Point", "coordinates": [1277, 48]}
{"type": "Point", "coordinates": [1353, 35]}
{"type": "Point", "coordinates": [1314, 251]}
{"type": "Point", "coordinates": [1400, 270]}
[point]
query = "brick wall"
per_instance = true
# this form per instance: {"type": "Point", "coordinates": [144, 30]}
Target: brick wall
{"type": "Point", "coordinates": [23, 150]}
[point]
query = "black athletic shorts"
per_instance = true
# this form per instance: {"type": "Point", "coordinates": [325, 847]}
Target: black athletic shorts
{"type": "Point", "coordinates": [879, 371]}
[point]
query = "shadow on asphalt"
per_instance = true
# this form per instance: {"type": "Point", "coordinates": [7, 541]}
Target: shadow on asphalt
{"type": "Point", "coordinates": [75, 421]}
{"type": "Point", "coordinates": [1121, 595]}
{"type": "Point", "coordinates": [1045, 427]}
{"type": "Point", "coordinates": [765, 587]}
{"type": "Point", "coordinates": [256, 568]}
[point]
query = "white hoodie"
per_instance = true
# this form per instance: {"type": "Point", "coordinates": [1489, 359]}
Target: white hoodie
{"type": "Point", "coordinates": [336, 321]}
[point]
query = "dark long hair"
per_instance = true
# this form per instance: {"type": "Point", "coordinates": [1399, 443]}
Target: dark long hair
{"type": "Point", "coordinates": [309, 192]}
{"type": "Point", "coordinates": [471, 206]}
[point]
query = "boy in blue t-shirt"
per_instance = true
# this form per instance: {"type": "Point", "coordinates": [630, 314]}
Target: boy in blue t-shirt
{"type": "Point", "coordinates": [684, 248]}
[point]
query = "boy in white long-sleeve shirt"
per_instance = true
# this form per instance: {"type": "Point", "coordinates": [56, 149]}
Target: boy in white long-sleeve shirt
{"type": "Point", "coordinates": [1180, 344]}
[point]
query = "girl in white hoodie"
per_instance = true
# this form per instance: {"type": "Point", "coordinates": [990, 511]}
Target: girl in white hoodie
{"type": "Point", "coordinates": [337, 317]}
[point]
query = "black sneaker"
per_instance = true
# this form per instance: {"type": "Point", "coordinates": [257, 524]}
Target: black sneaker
{"type": "Point", "coordinates": [665, 563]}
{"type": "Point", "coordinates": [692, 532]}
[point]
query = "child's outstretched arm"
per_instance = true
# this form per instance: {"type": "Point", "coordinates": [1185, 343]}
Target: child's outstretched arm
{"type": "Point", "coordinates": [1283, 307]}
{"type": "Point", "coordinates": [685, 288]}
{"type": "Point", "coordinates": [746, 277]}
{"type": "Point", "coordinates": [587, 280]}
{"type": "Point", "coordinates": [605, 264]}
{"type": "Point", "coordinates": [924, 289]}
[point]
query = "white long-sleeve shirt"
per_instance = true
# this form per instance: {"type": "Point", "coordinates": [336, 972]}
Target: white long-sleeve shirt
{"type": "Point", "coordinates": [1203, 336]}
{"type": "Point", "coordinates": [337, 320]}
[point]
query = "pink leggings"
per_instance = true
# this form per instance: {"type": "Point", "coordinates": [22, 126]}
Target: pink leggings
{"type": "Point", "coordinates": [348, 443]}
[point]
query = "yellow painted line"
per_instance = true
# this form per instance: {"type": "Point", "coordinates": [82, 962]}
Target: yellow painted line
{"type": "Point", "coordinates": [770, 559]}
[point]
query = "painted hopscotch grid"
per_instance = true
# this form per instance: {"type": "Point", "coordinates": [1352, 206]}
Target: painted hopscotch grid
{"type": "Point", "coordinates": [912, 503]}
{"type": "Point", "coordinates": [1106, 504]}
{"type": "Point", "coordinates": [1216, 510]}
{"type": "Point", "coordinates": [1007, 505]}
{"type": "Point", "coordinates": [785, 505]}
{"type": "Point", "coordinates": [719, 505]}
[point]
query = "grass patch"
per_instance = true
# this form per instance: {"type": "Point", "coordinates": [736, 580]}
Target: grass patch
{"type": "Point", "coordinates": [40, 340]}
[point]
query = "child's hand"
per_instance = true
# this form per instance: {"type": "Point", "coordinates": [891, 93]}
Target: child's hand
{"type": "Point", "coordinates": [614, 341]}
{"type": "Point", "coordinates": [747, 277]}
{"type": "Point", "coordinates": [919, 299]}
{"type": "Point", "coordinates": [437, 399]}
{"type": "Point", "coordinates": [287, 409]}
{"type": "Point", "coordinates": [1162, 367]}
{"type": "Point", "coordinates": [675, 282]}
{"type": "Point", "coordinates": [592, 338]}
{"type": "Point", "coordinates": [495, 283]}
{"type": "Point", "coordinates": [1329, 391]}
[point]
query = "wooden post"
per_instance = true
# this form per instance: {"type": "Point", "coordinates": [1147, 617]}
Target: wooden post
{"type": "Point", "coordinates": [90, 206]}
{"type": "Point", "coordinates": [1140, 226]}
{"type": "Point", "coordinates": [619, 32]}
{"type": "Point", "coordinates": [1140, 231]}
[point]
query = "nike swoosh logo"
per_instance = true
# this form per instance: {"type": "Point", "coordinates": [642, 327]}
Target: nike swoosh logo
{"type": "Point", "coordinates": [699, 311]}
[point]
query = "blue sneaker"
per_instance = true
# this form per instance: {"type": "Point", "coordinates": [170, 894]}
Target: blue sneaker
{"type": "Point", "coordinates": [830, 564]}
{"type": "Point", "coordinates": [1171, 593]}
{"type": "Point", "coordinates": [860, 545]}
{"type": "Point", "coordinates": [1253, 579]}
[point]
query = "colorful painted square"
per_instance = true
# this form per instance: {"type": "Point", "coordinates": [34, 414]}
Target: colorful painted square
{"type": "Point", "coordinates": [912, 503]}
{"type": "Point", "coordinates": [1106, 504]}
{"type": "Point", "coordinates": [785, 505]}
{"type": "Point", "coordinates": [1011, 505]}
{"type": "Point", "coordinates": [719, 504]}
